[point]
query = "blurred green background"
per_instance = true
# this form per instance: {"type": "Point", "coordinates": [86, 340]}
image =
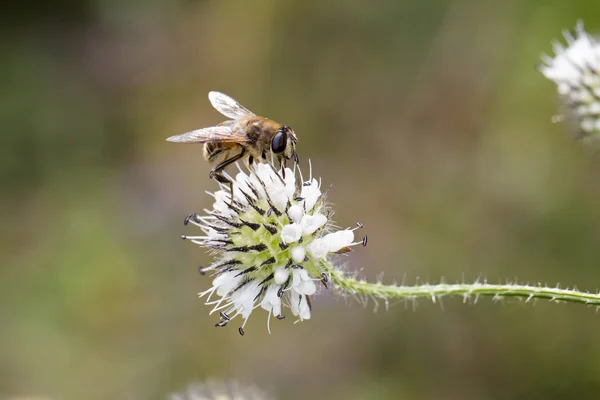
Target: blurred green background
{"type": "Point", "coordinates": [428, 117]}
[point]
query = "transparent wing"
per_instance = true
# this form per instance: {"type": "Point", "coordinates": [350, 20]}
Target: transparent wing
{"type": "Point", "coordinates": [219, 134]}
{"type": "Point", "coordinates": [228, 106]}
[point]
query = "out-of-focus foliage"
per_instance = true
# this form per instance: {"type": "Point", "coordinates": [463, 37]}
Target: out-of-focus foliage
{"type": "Point", "coordinates": [429, 118]}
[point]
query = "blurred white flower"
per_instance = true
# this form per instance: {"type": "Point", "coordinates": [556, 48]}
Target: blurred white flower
{"type": "Point", "coordinates": [576, 72]}
{"type": "Point", "coordinates": [271, 244]}
{"type": "Point", "coordinates": [215, 390]}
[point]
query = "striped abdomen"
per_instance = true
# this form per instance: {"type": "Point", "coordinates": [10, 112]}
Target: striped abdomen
{"type": "Point", "coordinates": [216, 152]}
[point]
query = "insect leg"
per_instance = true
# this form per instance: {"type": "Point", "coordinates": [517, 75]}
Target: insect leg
{"type": "Point", "coordinates": [282, 165]}
{"type": "Point", "coordinates": [217, 174]}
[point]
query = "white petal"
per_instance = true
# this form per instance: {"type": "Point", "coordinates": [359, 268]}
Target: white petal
{"type": "Point", "coordinates": [307, 287]}
{"type": "Point", "coordinates": [296, 278]}
{"type": "Point", "coordinates": [311, 194]}
{"type": "Point", "coordinates": [563, 89]}
{"type": "Point", "coordinates": [303, 283]}
{"type": "Point", "coordinates": [298, 254]}
{"type": "Point", "coordinates": [281, 275]}
{"type": "Point", "coordinates": [271, 299]}
{"type": "Point", "coordinates": [338, 240]}
{"type": "Point", "coordinates": [588, 80]}
{"type": "Point", "coordinates": [275, 187]}
{"type": "Point", "coordinates": [243, 299]}
{"type": "Point", "coordinates": [265, 173]}
{"type": "Point", "coordinates": [304, 275]}
{"type": "Point", "coordinates": [291, 233]}
{"type": "Point", "coordinates": [222, 195]}
{"type": "Point", "coordinates": [290, 183]}
{"type": "Point", "coordinates": [256, 185]}
{"type": "Point", "coordinates": [242, 179]}
{"type": "Point", "coordinates": [215, 235]}
{"type": "Point", "coordinates": [238, 196]}
{"type": "Point", "coordinates": [226, 282]}
{"type": "Point", "coordinates": [318, 248]}
{"type": "Point", "coordinates": [277, 309]}
{"type": "Point", "coordinates": [272, 294]}
{"type": "Point", "coordinates": [310, 223]}
{"type": "Point", "coordinates": [587, 125]}
{"type": "Point", "coordinates": [568, 63]}
{"type": "Point", "coordinates": [304, 309]}
{"type": "Point", "coordinates": [294, 302]}
{"type": "Point", "coordinates": [222, 199]}
{"type": "Point", "coordinates": [241, 184]}
{"type": "Point", "coordinates": [278, 196]}
{"type": "Point", "coordinates": [296, 212]}
{"type": "Point", "coordinates": [266, 304]}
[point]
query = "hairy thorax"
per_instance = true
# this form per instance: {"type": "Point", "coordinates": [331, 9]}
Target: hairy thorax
{"type": "Point", "coordinates": [257, 133]}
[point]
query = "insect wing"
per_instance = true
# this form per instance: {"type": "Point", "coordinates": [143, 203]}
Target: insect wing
{"type": "Point", "coordinates": [228, 106]}
{"type": "Point", "coordinates": [221, 134]}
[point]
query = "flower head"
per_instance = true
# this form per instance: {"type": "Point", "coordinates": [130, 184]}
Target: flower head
{"type": "Point", "coordinates": [215, 390]}
{"type": "Point", "coordinates": [576, 71]}
{"type": "Point", "coordinates": [272, 243]}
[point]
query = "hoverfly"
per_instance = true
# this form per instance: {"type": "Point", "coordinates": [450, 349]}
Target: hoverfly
{"type": "Point", "coordinates": [246, 136]}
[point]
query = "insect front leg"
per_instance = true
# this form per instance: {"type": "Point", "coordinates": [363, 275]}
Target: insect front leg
{"type": "Point", "coordinates": [282, 165]}
{"type": "Point", "coordinates": [219, 177]}
{"type": "Point", "coordinates": [217, 172]}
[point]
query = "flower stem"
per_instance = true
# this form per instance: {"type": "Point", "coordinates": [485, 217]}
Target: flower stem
{"type": "Point", "coordinates": [465, 290]}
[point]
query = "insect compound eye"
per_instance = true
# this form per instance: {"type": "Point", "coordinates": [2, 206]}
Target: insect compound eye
{"type": "Point", "coordinates": [279, 142]}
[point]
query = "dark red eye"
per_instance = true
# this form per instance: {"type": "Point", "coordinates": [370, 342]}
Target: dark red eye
{"type": "Point", "coordinates": [279, 142]}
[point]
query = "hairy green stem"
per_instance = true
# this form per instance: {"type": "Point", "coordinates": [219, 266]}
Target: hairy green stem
{"type": "Point", "coordinates": [465, 290]}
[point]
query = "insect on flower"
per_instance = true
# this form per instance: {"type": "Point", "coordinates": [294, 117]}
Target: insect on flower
{"type": "Point", "coordinates": [272, 244]}
{"type": "Point", "coordinates": [246, 137]}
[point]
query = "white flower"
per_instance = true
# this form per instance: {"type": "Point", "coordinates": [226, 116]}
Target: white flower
{"type": "Point", "coordinates": [216, 390]}
{"type": "Point", "coordinates": [273, 245]}
{"type": "Point", "coordinates": [576, 71]}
